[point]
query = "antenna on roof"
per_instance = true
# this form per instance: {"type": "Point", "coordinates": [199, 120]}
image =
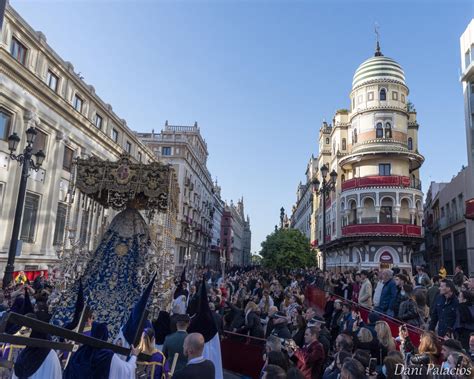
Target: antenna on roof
{"type": "Point", "coordinates": [378, 53]}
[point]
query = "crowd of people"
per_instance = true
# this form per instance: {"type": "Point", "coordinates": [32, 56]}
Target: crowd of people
{"type": "Point", "coordinates": [337, 342]}
{"type": "Point", "coordinates": [298, 339]}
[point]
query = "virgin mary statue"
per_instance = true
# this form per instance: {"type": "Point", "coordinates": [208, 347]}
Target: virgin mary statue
{"type": "Point", "coordinates": [112, 280]}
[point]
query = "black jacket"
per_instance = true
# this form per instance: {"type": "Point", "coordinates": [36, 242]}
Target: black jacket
{"type": "Point", "coordinates": [202, 370]}
{"type": "Point", "coordinates": [281, 331]}
{"type": "Point", "coordinates": [253, 326]}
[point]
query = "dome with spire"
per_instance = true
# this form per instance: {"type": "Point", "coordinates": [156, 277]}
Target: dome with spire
{"type": "Point", "coordinates": [378, 67]}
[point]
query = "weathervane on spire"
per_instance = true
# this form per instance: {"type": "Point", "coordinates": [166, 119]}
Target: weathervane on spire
{"type": "Point", "coordinates": [378, 53]}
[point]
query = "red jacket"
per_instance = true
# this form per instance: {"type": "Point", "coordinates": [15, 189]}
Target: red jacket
{"type": "Point", "coordinates": [310, 360]}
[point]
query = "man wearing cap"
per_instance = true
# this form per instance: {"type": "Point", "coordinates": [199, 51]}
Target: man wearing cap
{"type": "Point", "coordinates": [324, 336]}
{"type": "Point", "coordinates": [174, 342]}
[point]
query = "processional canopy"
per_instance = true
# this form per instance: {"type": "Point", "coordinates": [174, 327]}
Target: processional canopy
{"type": "Point", "coordinates": [124, 184]}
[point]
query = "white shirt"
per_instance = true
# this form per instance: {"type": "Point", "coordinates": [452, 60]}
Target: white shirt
{"type": "Point", "coordinates": [120, 369]}
{"type": "Point", "coordinates": [196, 360]}
{"type": "Point", "coordinates": [51, 368]}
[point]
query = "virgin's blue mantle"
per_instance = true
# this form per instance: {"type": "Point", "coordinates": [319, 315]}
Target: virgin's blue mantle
{"type": "Point", "coordinates": [110, 280]}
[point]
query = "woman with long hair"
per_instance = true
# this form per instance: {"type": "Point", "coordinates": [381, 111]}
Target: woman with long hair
{"type": "Point", "coordinates": [253, 323]}
{"type": "Point", "coordinates": [384, 335]}
{"type": "Point", "coordinates": [298, 328]}
{"type": "Point", "coordinates": [428, 349]}
{"type": "Point", "coordinates": [158, 364]}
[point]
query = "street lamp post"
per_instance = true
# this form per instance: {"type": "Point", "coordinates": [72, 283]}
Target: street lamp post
{"type": "Point", "coordinates": [327, 186]}
{"type": "Point", "coordinates": [27, 163]}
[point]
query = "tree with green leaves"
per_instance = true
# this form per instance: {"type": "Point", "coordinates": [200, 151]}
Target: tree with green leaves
{"type": "Point", "coordinates": [287, 248]}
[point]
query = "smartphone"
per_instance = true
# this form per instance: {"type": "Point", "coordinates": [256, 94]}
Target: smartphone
{"type": "Point", "coordinates": [372, 364]}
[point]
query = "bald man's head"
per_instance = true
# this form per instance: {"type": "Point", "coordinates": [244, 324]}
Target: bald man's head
{"type": "Point", "coordinates": [193, 345]}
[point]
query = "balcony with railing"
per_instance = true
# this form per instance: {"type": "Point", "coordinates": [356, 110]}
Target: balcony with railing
{"type": "Point", "coordinates": [404, 230]}
{"type": "Point", "coordinates": [381, 181]}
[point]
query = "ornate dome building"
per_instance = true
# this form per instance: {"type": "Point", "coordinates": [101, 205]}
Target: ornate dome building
{"type": "Point", "coordinates": [374, 216]}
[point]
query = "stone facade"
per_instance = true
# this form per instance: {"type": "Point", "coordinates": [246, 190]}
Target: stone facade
{"type": "Point", "coordinates": [374, 217]}
{"type": "Point", "coordinates": [184, 148]}
{"type": "Point", "coordinates": [39, 89]}
{"type": "Point", "coordinates": [446, 228]}
{"type": "Point", "coordinates": [302, 211]}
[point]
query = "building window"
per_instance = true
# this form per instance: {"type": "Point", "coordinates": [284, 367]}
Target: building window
{"type": "Point", "coordinates": [388, 130]}
{"type": "Point", "coordinates": [379, 130]}
{"type": "Point", "coordinates": [384, 169]}
{"type": "Point", "coordinates": [5, 120]}
{"type": "Point", "coordinates": [18, 51]}
{"type": "Point", "coordinates": [40, 141]}
{"type": "Point", "coordinates": [394, 95]}
{"type": "Point", "coordinates": [410, 143]}
{"type": "Point", "coordinates": [403, 98]}
{"type": "Point", "coordinates": [84, 227]}
{"type": "Point", "coordinates": [327, 141]}
{"type": "Point", "coordinates": [355, 136]}
{"type": "Point", "coordinates": [128, 147]}
{"type": "Point", "coordinates": [52, 80]}
{"type": "Point", "coordinates": [166, 150]}
{"type": "Point", "coordinates": [359, 99]}
{"type": "Point", "coordinates": [115, 134]}
{"type": "Point", "coordinates": [182, 253]}
{"type": "Point", "coordinates": [386, 215]}
{"type": "Point", "coordinates": [383, 95]}
{"type": "Point", "coordinates": [140, 158]}
{"type": "Point", "coordinates": [78, 102]}
{"type": "Point", "coordinates": [60, 226]}
{"type": "Point", "coordinates": [370, 96]}
{"type": "Point", "coordinates": [67, 159]}
{"type": "Point", "coordinates": [30, 215]}
{"type": "Point", "coordinates": [98, 121]}
{"type": "Point", "coordinates": [344, 144]}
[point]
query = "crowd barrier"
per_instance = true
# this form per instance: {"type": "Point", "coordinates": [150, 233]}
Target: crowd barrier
{"type": "Point", "coordinates": [242, 354]}
{"type": "Point", "coordinates": [316, 297]}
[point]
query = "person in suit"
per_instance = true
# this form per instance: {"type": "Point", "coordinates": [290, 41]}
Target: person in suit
{"type": "Point", "coordinates": [174, 343]}
{"type": "Point", "coordinates": [197, 367]}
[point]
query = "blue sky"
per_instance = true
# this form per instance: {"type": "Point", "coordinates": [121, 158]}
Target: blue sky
{"type": "Point", "coordinates": [260, 76]}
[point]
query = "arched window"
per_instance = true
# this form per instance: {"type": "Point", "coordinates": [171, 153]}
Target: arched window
{"type": "Point", "coordinates": [383, 94]}
{"type": "Point", "coordinates": [388, 130]}
{"type": "Point", "coordinates": [344, 145]}
{"type": "Point", "coordinates": [410, 143]}
{"type": "Point", "coordinates": [355, 136]}
{"type": "Point", "coordinates": [379, 130]}
{"type": "Point", "coordinates": [327, 141]}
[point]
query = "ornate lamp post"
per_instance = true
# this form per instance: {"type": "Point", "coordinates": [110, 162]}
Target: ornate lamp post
{"type": "Point", "coordinates": [24, 159]}
{"type": "Point", "coordinates": [222, 259]}
{"type": "Point", "coordinates": [327, 186]}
